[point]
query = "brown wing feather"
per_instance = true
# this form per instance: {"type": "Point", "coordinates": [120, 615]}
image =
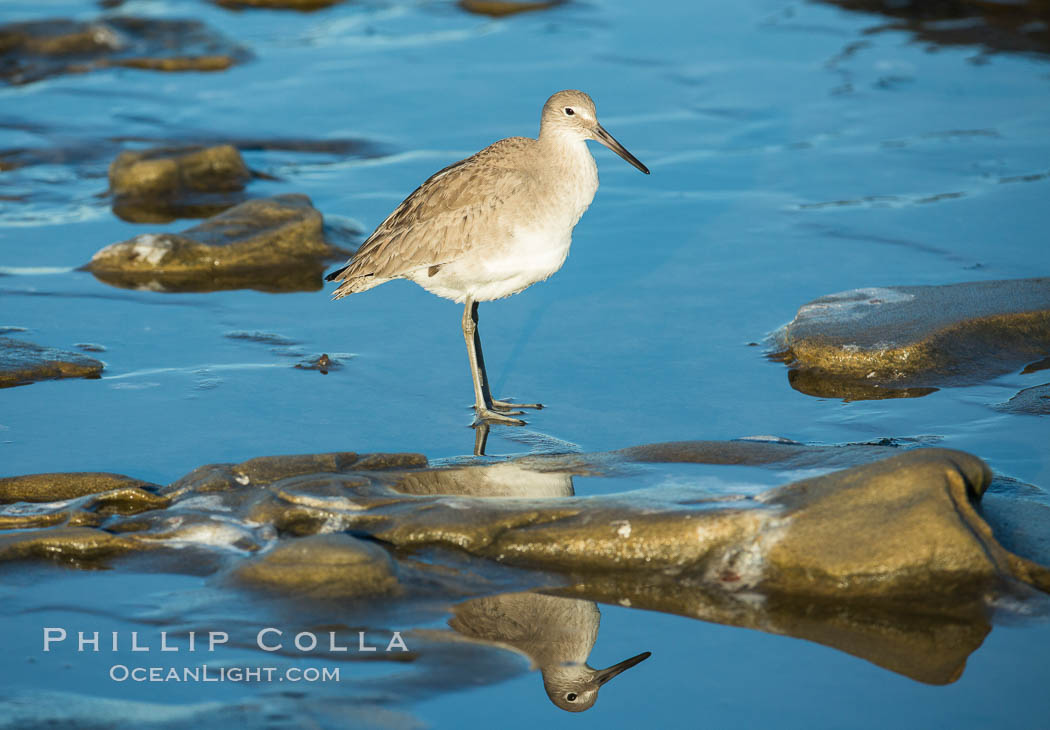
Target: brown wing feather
{"type": "Point", "coordinates": [441, 220]}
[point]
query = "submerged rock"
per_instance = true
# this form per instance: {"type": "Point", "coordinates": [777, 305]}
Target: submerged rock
{"type": "Point", "coordinates": [22, 363]}
{"type": "Point", "coordinates": [303, 6]}
{"type": "Point", "coordinates": [38, 49]}
{"type": "Point", "coordinates": [164, 183]}
{"type": "Point", "coordinates": [322, 566]}
{"type": "Point", "coordinates": [74, 546]}
{"type": "Point", "coordinates": [910, 340]}
{"type": "Point", "coordinates": [270, 244]}
{"type": "Point", "coordinates": [1034, 401]}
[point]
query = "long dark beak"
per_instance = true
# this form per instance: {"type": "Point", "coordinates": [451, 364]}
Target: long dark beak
{"type": "Point", "coordinates": [604, 675]}
{"type": "Point", "coordinates": [609, 141]}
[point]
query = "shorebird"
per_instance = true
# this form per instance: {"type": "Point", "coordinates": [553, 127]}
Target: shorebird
{"type": "Point", "coordinates": [491, 225]}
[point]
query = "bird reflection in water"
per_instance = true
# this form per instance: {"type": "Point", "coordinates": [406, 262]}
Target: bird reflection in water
{"type": "Point", "coordinates": [556, 634]}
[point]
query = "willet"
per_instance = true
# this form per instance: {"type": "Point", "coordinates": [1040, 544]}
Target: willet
{"type": "Point", "coordinates": [491, 225]}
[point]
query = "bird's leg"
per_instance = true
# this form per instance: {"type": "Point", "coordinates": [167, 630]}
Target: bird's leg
{"type": "Point", "coordinates": [496, 405]}
{"type": "Point", "coordinates": [481, 438]}
{"type": "Point", "coordinates": [483, 406]}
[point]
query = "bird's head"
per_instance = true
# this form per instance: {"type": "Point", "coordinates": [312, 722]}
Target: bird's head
{"type": "Point", "coordinates": [571, 114]}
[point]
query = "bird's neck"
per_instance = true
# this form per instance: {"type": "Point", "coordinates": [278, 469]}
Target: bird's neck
{"type": "Point", "coordinates": [567, 153]}
{"type": "Point", "coordinates": [560, 142]}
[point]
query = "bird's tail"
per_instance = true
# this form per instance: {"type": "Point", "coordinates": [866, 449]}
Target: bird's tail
{"type": "Point", "coordinates": [354, 284]}
{"type": "Point", "coordinates": [336, 274]}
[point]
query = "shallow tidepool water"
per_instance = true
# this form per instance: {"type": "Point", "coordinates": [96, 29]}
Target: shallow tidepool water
{"type": "Point", "coordinates": [793, 154]}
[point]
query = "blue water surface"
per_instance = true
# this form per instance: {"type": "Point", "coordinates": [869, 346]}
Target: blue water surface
{"type": "Point", "coordinates": [794, 153]}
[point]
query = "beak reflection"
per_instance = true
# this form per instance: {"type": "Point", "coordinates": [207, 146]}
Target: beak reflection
{"type": "Point", "coordinates": [606, 674]}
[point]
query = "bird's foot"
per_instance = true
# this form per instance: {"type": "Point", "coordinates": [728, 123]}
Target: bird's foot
{"type": "Point", "coordinates": [489, 415]}
{"type": "Point", "coordinates": [506, 405]}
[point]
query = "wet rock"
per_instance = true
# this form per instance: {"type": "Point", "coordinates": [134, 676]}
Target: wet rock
{"type": "Point", "coordinates": [902, 528]}
{"type": "Point", "coordinates": [61, 486]}
{"type": "Point", "coordinates": [182, 527]}
{"type": "Point", "coordinates": [303, 6]}
{"type": "Point", "coordinates": [265, 470]}
{"type": "Point", "coordinates": [39, 49]}
{"type": "Point", "coordinates": [910, 340]}
{"type": "Point", "coordinates": [270, 244]}
{"type": "Point", "coordinates": [1018, 26]}
{"type": "Point", "coordinates": [890, 560]}
{"type": "Point", "coordinates": [322, 567]}
{"type": "Point", "coordinates": [323, 364]}
{"type": "Point", "coordinates": [165, 183]}
{"type": "Point", "coordinates": [293, 278]}
{"type": "Point", "coordinates": [502, 8]}
{"type": "Point", "coordinates": [1034, 401]}
{"type": "Point", "coordinates": [125, 501]}
{"type": "Point", "coordinates": [77, 546]}
{"type": "Point", "coordinates": [894, 530]}
{"type": "Point", "coordinates": [24, 362]}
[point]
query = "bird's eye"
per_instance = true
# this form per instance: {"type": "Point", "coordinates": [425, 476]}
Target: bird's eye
{"type": "Point", "coordinates": [571, 697]}
{"type": "Point", "coordinates": [569, 111]}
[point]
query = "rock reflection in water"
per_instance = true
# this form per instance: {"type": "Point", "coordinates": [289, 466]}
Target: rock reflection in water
{"type": "Point", "coordinates": [1016, 26]}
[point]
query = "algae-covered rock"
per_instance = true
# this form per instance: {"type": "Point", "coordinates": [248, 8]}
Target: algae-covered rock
{"type": "Point", "coordinates": [503, 8]}
{"type": "Point", "coordinates": [322, 566]}
{"type": "Point", "coordinates": [910, 340]}
{"type": "Point", "coordinates": [902, 528]}
{"type": "Point", "coordinates": [78, 546]}
{"type": "Point", "coordinates": [165, 183]}
{"type": "Point", "coordinates": [270, 244]}
{"type": "Point", "coordinates": [62, 485]}
{"type": "Point", "coordinates": [35, 50]}
{"type": "Point", "coordinates": [22, 363]}
{"type": "Point", "coordinates": [892, 530]}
